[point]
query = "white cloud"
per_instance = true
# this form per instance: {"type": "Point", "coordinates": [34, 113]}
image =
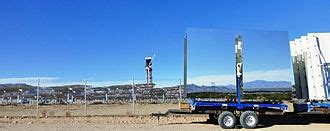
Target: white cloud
{"type": "Point", "coordinates": [269, 75]}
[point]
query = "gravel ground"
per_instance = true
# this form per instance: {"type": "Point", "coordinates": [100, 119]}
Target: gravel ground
{"type": "Point", "coordinates": [119, 117]}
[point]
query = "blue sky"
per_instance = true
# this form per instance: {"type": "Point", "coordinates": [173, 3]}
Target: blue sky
{"type": "Point", "coordinates": [108, 40]}
{"type": "Point", "coordinates": [211, 53]}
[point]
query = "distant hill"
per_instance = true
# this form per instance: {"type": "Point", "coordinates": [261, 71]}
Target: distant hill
{"type": "Point", "coordinates": [223, 89]}
{"type": "Point", "coordinates": [252, 90]}
{"type": "Point", "coordinates": [15, 87]}
{"type": "Point", "coordinates": [267, 84]}
{"type": "Point", "coordinates": [253, 86]}
{"type": "Point", "coordinates": [258, 85]}
{"type": "Point", "coordinates": [78, 88]}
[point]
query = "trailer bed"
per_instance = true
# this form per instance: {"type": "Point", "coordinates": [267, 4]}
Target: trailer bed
{"type": "Point", "coordinates": [202, 106]}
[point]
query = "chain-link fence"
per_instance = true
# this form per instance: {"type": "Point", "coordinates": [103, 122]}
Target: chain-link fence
{"type": "Point", "coordinates": [103, 97]}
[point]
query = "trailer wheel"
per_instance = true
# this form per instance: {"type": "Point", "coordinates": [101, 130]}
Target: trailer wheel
{"type": "Point", "coordinates": [249, 119]}
{"type": "Point", "coordinates": [227, 120]}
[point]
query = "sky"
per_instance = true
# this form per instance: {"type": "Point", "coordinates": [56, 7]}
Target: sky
{"type": "Point", "coordinates": [106, 41]}
{"type": "Point", "coordinates": [211, 54]}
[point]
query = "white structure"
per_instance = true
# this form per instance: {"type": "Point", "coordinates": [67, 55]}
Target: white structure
{"type": "Point", "coordinates": [310, 56]}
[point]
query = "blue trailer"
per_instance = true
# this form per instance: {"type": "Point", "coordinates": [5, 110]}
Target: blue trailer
{"type": "Point", "coordinates": [229, 113]}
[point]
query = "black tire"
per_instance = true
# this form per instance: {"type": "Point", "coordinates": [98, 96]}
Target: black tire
{"type": "Point", "coordinates": [249, 120]}
{"type": "Point", "coordinates": [227, 120]}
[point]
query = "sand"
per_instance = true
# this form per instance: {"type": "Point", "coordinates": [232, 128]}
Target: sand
{"type": "Point", "coordinates": [118, 117]}
{"type": "Point", "coordinates": [78, 110]}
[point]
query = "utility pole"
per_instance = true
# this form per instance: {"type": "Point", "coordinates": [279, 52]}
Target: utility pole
{"type": "Point", "coordinates": [133, 97]}
{"type": "Point", "coordinates": [85, 108]}
{"type": "Point", "coordinates": [38, 97]}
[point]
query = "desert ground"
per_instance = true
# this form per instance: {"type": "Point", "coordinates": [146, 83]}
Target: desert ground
{"type": "Point", "coordinates": [120, 117]}
{"type": "Point", "coordinates": [78, 110]}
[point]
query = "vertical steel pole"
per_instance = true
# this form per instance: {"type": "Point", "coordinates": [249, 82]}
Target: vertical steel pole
{"type": "Point", "coordinates": [38, 98]}
{"type": "Point", "coordinates": [68, 98]}
{"type": "Point", "coordinates": [180, 93]}
{"type": "Point", "coordinates": [85, 107]}
{"type": "Point", "coordinates": [72, 98]}
{"type": "Point", "coordinates": [19, 95]}
{"type": "Point", "coordinates": [133, 97]}
{"type": "Point", "coordinates": [4, 96]}
{"type": "Point", "coordinates": [106, 97]}
{"type": "Point", "coordinates": [185, 66]}
{"type": "Point", "coordinates": [163, 98]}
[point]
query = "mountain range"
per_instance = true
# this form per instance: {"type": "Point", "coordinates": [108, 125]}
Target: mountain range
{"type": "Point", "coordinates": [257, 86]}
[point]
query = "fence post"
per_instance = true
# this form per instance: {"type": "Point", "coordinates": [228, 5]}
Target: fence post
{"type": "Point", "coordinates": [85, 107]}
{"type": "Point", "coordinates": [38, 97]}
{"type": "Point", "coordinates": [133, 97]}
